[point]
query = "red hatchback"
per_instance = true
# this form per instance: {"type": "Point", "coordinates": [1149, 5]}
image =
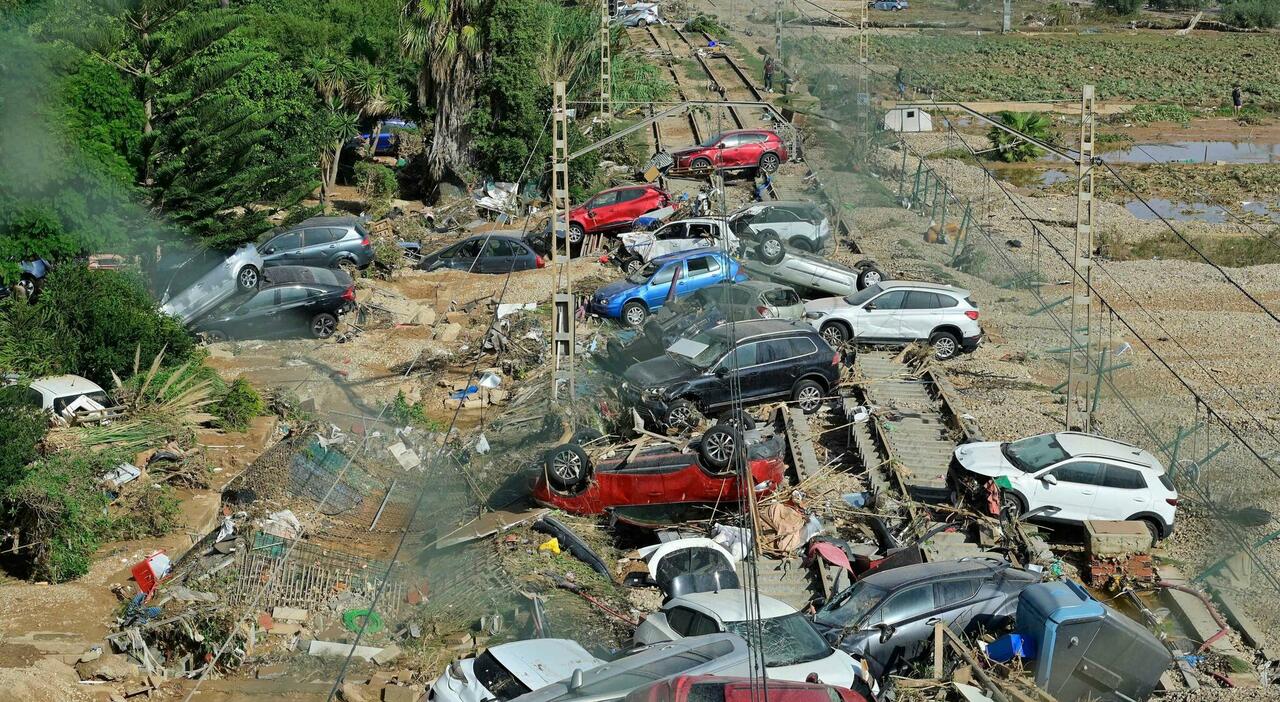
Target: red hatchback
{"type": "Point", "coordinates": [700, 688]}
{"type": "Point", "coordinates": [742, 148]}
{"type": "Point", "coordinates": [615, 209]}
{"type": "Point", "coordinates": [660, 476]}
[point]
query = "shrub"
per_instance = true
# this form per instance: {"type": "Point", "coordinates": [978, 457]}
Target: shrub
{"type": "Point", "coordinates": [1157, 113]}
{"type": "Point", "coordinates": [22, 428]}
{"type": "Point", "coordinates": [238, 406]}
{"type": "Point", "coordinates": [1251, 13]}
{"type": "Point", "coordinates": [412, 414]}
{"type": "Point", "coordinates": [145, 510]}
{"type": "Point", "coordinates": [1121, 7]}
{"type": "Point", "coordinates": [377, 184]}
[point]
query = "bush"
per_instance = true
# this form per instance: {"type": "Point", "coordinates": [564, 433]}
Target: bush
{"type": "Point", "coordinates": [377, 185]}
{"type": "Point", "coordinates": [1120, 7]}
{"type": "Point", "coordinates": [58, 506]}
{"type": "Point", "coordinates": [1157, 113]}
{"type": "Point", "coordinates": [238, 406]}
{"type": "Point", "coordinates": [1252, 13]}
{"type": "Point", "coordinates": [1178, 4]}
{"type": "Point", "coordinates": [90, 323]}
{"type": "Point", "coordinates": [145, 510]}
{"type": "Point", "coordinates": [22, 428]}
{"type": "Point", "coordinates": [412, 414]}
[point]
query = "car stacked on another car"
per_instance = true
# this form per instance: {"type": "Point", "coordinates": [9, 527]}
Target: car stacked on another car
{"type": "Point", "coordinates": [327, 242]}
{"type": "Point", "coordinates": [239, 272]}
{"type": "Point", "coordinates": [290, 299]}
{"type": "Point", "coordinates": [1070, 477]}
{"type": "Point", "coordinates": [506, 671]}
{"type": "Point", "coordinates": [633, 299]}
{"type": "Point", "coordinates": [740, 148]}
{"type": "Point", "coordinates": [800, 224]}
{"type": "Point", "coordinates": [613, 210]}
{"type": "Point", "coordinates": [749, 362]}
{"type": "Point", "coordinates": [810, 272]}
{"type": "Point", "coordinates": [900, 312]}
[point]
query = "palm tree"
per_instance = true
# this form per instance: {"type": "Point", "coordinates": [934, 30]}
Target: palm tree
{"type": "Point", "coordinates": [448, 37]}
{"type": "Point", "coordinates": [1013, 148]}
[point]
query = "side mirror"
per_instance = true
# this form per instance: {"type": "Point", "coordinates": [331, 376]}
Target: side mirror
{"type": "Point", "coordinates": [575, 680]}
{"type": "Point", "coordinates": [869, 307]}
{"type": "Point", "coordinates": [722, 372]}
{"type": "Point", "coordinates": [720, 145]}
{"type": "Point", "coordinates": [269, 250]}
{"type": "Point", "coordinates": [886, 632]}
{"type": "Point", "coordinates": [1049, 479]}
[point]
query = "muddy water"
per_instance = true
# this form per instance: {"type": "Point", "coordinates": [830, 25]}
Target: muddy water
{"type": "Point", "coordinates": [1197, 152]}
{"type": "Point", "coordinates": [1198, 211]}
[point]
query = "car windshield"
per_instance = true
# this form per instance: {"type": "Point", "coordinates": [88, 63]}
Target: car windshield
{"type": "Point", "coordinates": [643, 275]}
{"type": "Point", "coordinates": [700, 352]}
{"type": "Point", "coordinates": [860, 297]}
{"type": "Point", "coordinates": [710, 141]}
{"type": "Point", "coordinates": [1035, 452]}
{"type": "Point", "coordinates": [850, 607]}
{"type": "Point", "coordinates": [499, 681]}
{"type": "Point", "coordinates": [786, 640]}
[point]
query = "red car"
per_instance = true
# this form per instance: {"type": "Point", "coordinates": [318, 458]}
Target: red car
{"type": "Point", "coordinates": [742, 148]}
{"type": "Point", "coordinates": [696, 688]}
{"type": "Point", "coordinates": [615, 209]}
{"type": "Point", "coordinates": [659, 476]}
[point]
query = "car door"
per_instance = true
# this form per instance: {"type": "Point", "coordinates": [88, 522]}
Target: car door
{"type": "Point", "coordinates": [724, 150]}
{"type": "Point", "coordinates": [749, 150]}
{"type": "Point", "coordinates": [319, 245]}
{"type": "Point", "coordinates": [918, 316]}
{"type": "Point", "coordinates": [735, 370]}
{"type": "Point", "coordinates": [284, 249]}
{"type": "Point", "coordinates": [700, 272]}
{"type": "Point", "coordinates": [494, 256]}
{"type": "Point", "coordinates": [631, 204]}
{"type": "Point", "coordinates": [292, 309]}
{"type": "Point", "coordinates": [956, 602]}
{"type": "Point", "coordinates": [600, 209]}
{"type": "Point", "coordinates": [655, 291]}
{"type": "Point", "coordinates": [1073, 489]}
{"type": "Point", "coordinates": [877, 320]}
{"type": "Point", "coordinates": [253, 317]}
{"type": "Point", "coordinates": [905, 615]}
{"type": "Point", "coordinates": [702, 234]}
{"type": "Point", "coordinates": [467, 256]}
{"type": "Point", "coordinates": [786, 360]}
{"type": "Point", "coordinates": [1123, 493]}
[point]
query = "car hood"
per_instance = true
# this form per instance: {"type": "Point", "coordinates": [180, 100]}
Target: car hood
{"type": "Point", "coordinates": [449, 689]}
{"type": "Point", "coordinates": [686, 151]}
{"type": "Point", "coordinates": [825, 305]}
{"type": "Point", "coordinates": [984, 458]}
{"type": "Point", "coordinates": [836, 669]}
{"type": "Point", "coordinates": [657, 372]}
{"type": "Point", "coordinates": [615, 288]}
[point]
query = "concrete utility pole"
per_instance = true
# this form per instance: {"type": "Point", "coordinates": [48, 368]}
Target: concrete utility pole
{"type": "Point", "coordinates": [562, 305]}
{"type": "Point", "coordinates": [1006, 25]}
{"type": "Point", "coordinates": [1082, 278]}
{"type": "Point", "coordinates": [777, 31]}
{"type": "Point", "coordinates": [606, 64]}
{"type": "Point", "coordinates": [863, 95]}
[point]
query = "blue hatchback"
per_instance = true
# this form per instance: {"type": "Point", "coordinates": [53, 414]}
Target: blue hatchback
{"type": "Point", "coordinates": [633, 299]}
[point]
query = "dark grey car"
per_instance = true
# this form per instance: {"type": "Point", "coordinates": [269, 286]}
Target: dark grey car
{"type": "Point", "coordinates": [323, 242]}
{"type": "Point", "coordinates": [485, 253]}
{"type": "Point", "coordinates": [888, 617]}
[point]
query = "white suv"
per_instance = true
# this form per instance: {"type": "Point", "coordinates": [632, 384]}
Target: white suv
{"type": "Point", "coordinates": [1071, 477]}
{"type": "Point", "coordinates": [900, 312]}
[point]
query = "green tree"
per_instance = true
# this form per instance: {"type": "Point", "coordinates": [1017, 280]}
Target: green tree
{"type": "Point", "coordinates": [1251, 13]}
{"type": "Point", "coordinates": [22, 428]}
{"type": "Point", "coordinates": [1014, 148]}
{"type": "Point", "coordinates": [1121, 7]}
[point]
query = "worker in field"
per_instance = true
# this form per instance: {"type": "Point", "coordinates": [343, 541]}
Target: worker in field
{"type": "Point", "coordinates": [769, 68]}
{"type": "Point", "coordinates": [1237, 99]}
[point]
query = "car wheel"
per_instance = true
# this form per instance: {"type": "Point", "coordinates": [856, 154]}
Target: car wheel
{"type": "Point", "coordinates": [248, 278]}
{"type": "Point", "coordinates": [633, 266]}
{"type": "Point", "coordinates": [1011, 507]}
{"type": "Point", "coordinates": [586, 435]}
{"type": "Point", "coordinates": [868, 276]}
{"type": "Point", "coordinates": [576, 233]}
{"type": "Point", "coordinates": [945, 345]}
{"type": "Point", "coordinates": [801, 244]}
{"type": "Point", "coordinates": [213, 336]}
{"type": "Point", "coordinates": [323, 325]}
{"type": "Point", "coordinates": [642, 23]}
{"type": "Point", "coordinates": [769, 162]}
{"type": "Point", "coordinates": [717, 446]}
{"type": "Point", "coordinates": [770, 248]}
{"type": "Point", "coordinates": [634, 313]}
{"type": "Point", "coordinates": [29, 286]}
{"type": "Point", "coordinates": [807, 394]}
{"type": "Point", "coordinates": [1153, 529]}
{"type": "Point", "coordinates": [700, 164]}
{"type": "Point", "coordinates": [739, 418]}
{"type": "Point", "coordinates": [835, 334]}
{"type": "Point", "coordinates": [681, 416]}
{"type": "Point", "coordinates": [567, 467]}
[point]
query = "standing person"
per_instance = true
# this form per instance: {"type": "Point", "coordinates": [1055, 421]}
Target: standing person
{"type": "Point", "coordinates": [1237, 99]}
{"type": "Point", "coordinates": [768, 74]}
{"type": "Point", "coordinates": [902, 84]}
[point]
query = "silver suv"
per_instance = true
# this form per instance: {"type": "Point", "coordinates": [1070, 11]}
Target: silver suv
{"type": "Point", "coordinates": [806, 271]}
{"type": "Point", "coordinates": [323, 242]}
{"type": "Point", "coordinates": [900, 312]}
{"type": "Point", "coordinates": [799, 224]}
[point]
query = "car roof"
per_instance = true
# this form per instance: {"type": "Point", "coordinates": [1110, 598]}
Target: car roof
{"type": "Point", "coordinates": [924, 572]}
{"type": "Point", "coordinates": [730, 605]}
{"type": "Point", "coordinates": [778, 203]}
{"type": "Point", "coordinates": [1081, 444]}
{"type": "Point", "coordinates": [682, 255]}
{"type": "Point", "coordinates": [746, 131]}
{"type": "Point", "coordinates": [917, 285]}
{"type": "Point", "coordinates": [752, 328]}
{"type": "Point", "coordinates": [543, 661]}
{"type": "Point", "coordinates": [59, 385]}
{"type": "Point", "coordinates": [276, 276]}
{"type": "Point", "coordinates": [333, 221]}
{"type": "Point", "coordinates": [627, 187]}
{"type": "Point", "coordinates": [495, 235]}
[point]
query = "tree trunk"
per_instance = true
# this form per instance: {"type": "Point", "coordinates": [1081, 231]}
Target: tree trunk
{"type": "Point", "coordinates": [373, 141]}
{"type": "Point", "coordinates": [450, 86]}
{"type": "Point", "coordinates": [333, 167]}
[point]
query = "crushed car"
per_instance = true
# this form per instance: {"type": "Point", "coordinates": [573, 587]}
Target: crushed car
{"type": "Point", "coordinates": [634, 298]}
{"type": "Point", "coordinates": [507, 671]}
{"type": "Point", "coordinates": [289, 300]}
{"type": "Point", "coordinates": [809, 272]}
{"type": "Point", "coordinates": [799, 224]}
{"type": "Point", "coordinates": [637, 248]}
{"type": "Point", "coordinates": [638, 14]}
{"type": "Point", "coordinates": [239, 272]}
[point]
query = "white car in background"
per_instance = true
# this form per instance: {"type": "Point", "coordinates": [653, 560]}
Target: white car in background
{"type": "Point", "coordinates": [66, 397]}
{"type": "Point", "coordinates": [793, 648]}
{"type": "Point", "coordinates": [509, 670]}
{"type": "Point", "coordinates": [900, 312]}
{"type": "Point", "coordinates": [800, 224]}
{"type": "Point", "coordinates": [1071, 477]}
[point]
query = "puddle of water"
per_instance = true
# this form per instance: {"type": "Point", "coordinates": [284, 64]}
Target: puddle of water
{"type": "Point", "coordinates": [1198, 152]}
{"type": "Point", "coordinates": [1196, 211]}
{"type": "Point", "coordinates": [1025, 177]}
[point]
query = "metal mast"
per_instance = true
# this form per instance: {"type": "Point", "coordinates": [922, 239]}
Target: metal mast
{"type": "Point", "coordinates": [606, 66]}
{"type": "Point", "coordinates": [1082, 279]}
{"type": "Point", "coordinates": [562, 306]}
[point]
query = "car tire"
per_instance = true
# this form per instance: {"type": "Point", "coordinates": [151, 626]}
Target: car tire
{"type": "Point", "coordinates": [769, 162]}
{"type": "Point", "coordinates": [738, 418]}
{"type": "Point", "coordinates": [567, 467]}
{"type": "Point", "coordinates": [1153, 529]}
{"type": "Point", "coordinates": [586, 435]}
{"type": "Point", "coordinates": [836, 334]}
{"type": "Point", "coordinates": [643, 24]}
{"type": "Point", "coordinates": [807, 395]}
{"type": "Point", "coordinates": [634, 313]}
{"type": "Point", "coordinates": [29, 285]}
{"type": "Point", "coordinates": [632, 266]}
{"type": "Point", "coordinates": [214, 336]}
{"type": "Point", "coordinates": [770, 248]}
{"type": "Point", "coordinates": [248, 278]}
{"type": "Point", "coordinates": [718, 444]}
{"type": "Point", "coordinates": [576, 233]}
{"type": "Point", "coordinates": [681, 415]}
{"type": "Point", "coordinates": [869, 275]}
{"type": "Point", "coordinates": [1011, 505]}
{"type": "Point", "coordinates": [945, 345]}
{"type": "Point", "coordinates": [323, 325]}
{"type": "Point", "coordinates": [700, 163]}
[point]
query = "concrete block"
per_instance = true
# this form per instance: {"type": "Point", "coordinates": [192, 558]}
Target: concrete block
{"type": "Point", "coordinates": [352, 692]}
{"type": "Point", "coordinates": [448, 332]}
{"type": "Point", "coordinates": [386, 655]}
{"type": "Point", "coordinates": [286, 629]}
{"type": "Point", "coordinates": [1109, 539]}
{"type": "Point", "coordinates": [335, 649]}
{"type": "Point", "coordinates": [399, 693]}
{"type": "Point", "coordinates": [458, 317]}
{"type": "Point", "coordinates": [289, 614]}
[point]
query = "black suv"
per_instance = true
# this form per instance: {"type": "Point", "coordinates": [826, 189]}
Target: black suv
{"type": "Point", "coordinates": [290, 299]}
{"type": "Point", "coordinates": [765, 359]}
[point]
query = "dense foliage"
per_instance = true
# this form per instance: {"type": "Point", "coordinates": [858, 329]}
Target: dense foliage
{"type": "Point", "coordinates": [1012, 148]}
{"type": "Point", "coordinates": [1251, 13]}
{"type": "Point", "coordinates": [238, 406]}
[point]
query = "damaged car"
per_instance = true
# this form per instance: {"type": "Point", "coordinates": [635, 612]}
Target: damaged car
{"type": "Point", "coordinates": [799, 224]}
{"type": "Point", "coordinates": [290, 299]}
{"type": "Point", "coordinates": [887, 617]}
{"type": "Point", "coordinates": [1069, 477]}
{"type": "Point", "coordinates": [810, 272]}
{"type": "Point", "coordinates": [703, 688]}
{"type": "Point", "coordinates": [509, 670]}
{"type": "Point", "coordinates": [633, 299]}
{"type": "Point", "coordinates": [239, 272]}
{"type": "Point", "coordinates": [639, 247]}
{"type": "Point", "coordinates": [898, 313]}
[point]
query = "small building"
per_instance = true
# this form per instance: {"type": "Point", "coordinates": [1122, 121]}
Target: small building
{"type": "Point", "coordinates": [908, 119]}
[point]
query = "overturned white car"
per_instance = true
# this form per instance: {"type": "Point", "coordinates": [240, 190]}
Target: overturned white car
{"type": "Point", "coordinates": [640, 247]}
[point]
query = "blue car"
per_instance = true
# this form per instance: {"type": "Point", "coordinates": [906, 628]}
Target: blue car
{"type": "Point", "coordinates": [632, 300]}
{"type": "Point", "coordinates": [386, 139]}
